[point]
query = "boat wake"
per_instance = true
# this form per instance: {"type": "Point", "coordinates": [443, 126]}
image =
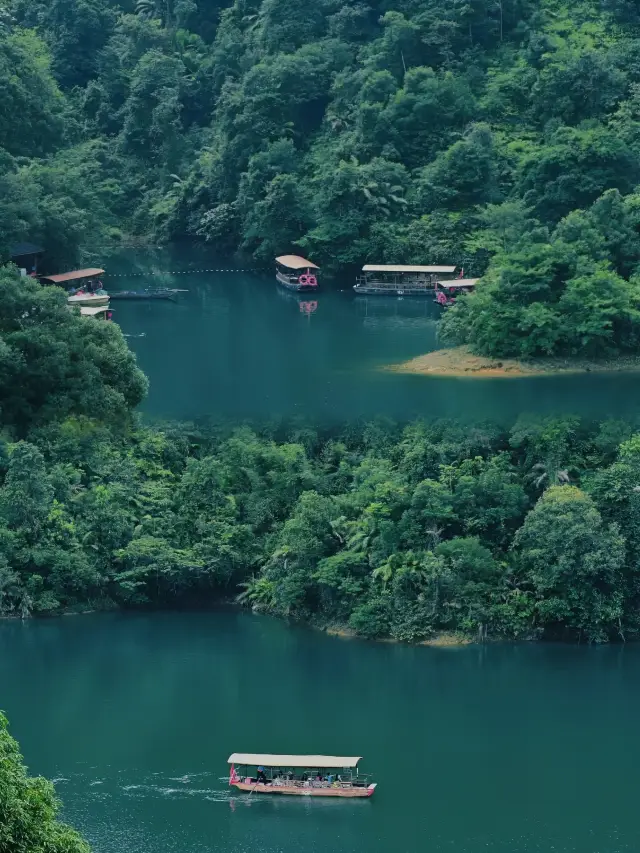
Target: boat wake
{"type": "Point", "coordinates": [201, 785]}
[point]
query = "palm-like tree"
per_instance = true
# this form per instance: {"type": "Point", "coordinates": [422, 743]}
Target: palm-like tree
{"type": "Point", "coordinates": [546, 474]}
{"type": "Point", "coordinates": [162, 9]}
{"type": "Point", "coordinates": [380, 194]}
{"type": "Point", "coordinates": [383, 195]}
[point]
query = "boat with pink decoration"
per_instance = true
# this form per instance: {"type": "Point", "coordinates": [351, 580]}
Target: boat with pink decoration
{"type": "Point", "coordinates": [299, 775]}
{"type": "Point", "coordinates": [446, 292]}
{"type": "Point", "coordinates": [296, 273]}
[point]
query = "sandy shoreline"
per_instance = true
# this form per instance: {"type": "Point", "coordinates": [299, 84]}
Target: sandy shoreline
{"type": "Point", "coordinates": [461, 362]}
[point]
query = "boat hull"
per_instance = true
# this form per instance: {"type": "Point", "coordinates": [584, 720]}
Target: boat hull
{"type": "Point", "coordinates": [141, 294]}
{"type": "Point", "coordinates": [88, 301]}
{"type": "Point", "coordinates": [297, 287]}
{"type": "Point", "coordinates": [299, 791]}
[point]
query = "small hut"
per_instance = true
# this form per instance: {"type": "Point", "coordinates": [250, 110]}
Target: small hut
{"type": "Point", "coordinates": [26, 256]}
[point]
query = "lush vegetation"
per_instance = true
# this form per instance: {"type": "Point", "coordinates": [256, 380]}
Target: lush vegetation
{"type": "Point", "coordinates": [28, 808]}
{"type": "Point", "coordinates": [394, 530]}
{"type": "Point", "coordinates": [353, 129]}
{"type": "Point", "coordinates": [502, 136]}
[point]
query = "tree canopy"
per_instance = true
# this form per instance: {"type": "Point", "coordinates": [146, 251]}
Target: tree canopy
{"type": "Point", "coordinates": [29, 808]}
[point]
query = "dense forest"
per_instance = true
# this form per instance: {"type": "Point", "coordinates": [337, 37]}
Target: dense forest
{"type": "Point", "coordinates": [499, 135]}
{"type": "Point", "coordinates": [522, 530]}
{"type": "Point", "coordinates": [29, 808]}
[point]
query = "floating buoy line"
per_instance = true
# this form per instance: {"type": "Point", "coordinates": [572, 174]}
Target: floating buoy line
{"type": "Point", "coordinates": [174, 272]}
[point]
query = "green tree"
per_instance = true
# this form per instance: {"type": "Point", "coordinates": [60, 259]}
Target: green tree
{"type": "Point", "coordinates": [574, 562]}
{"type": "Point", "coordinates": [29, 808]}
{"type": "Point", "coordinates": [53, 363]}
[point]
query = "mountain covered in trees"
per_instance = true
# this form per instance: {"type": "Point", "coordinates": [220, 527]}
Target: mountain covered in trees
{"type": "Point", "coordinates": [499, 135]}
{"type": "Point", "coordinates": [523, 530]}
{"type": "Point", "coordinates": [502, 135]}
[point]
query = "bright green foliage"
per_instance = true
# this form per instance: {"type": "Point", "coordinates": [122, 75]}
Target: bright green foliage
{"type": "Point", "coordinates": [53, 363]}
{"type": "Point", "coordinates": [401, 531]}
{"type": "Point", "coordinates": [29, 808]}
{"type": "Point", "coordinates": [565, 296]}
{"type": "Point", "coordinates": [574, 563]}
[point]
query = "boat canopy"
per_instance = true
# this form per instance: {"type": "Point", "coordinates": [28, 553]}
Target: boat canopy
{"type": "Point", "coordinates": [405, 268]}
{"type": "Point", "coordinates": [459, 282]}
{"type": "Point", "coordinates": [295, 262]}
{"type": "Point", "coordinates": [307, 761]}
{"type": "Point", "coordinates": [74, 275]}
{"type": "Point", "coordinates": [92, 310]}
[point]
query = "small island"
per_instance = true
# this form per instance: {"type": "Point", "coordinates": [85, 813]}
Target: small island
{"type": "Point", "coordinates": [461, 362]}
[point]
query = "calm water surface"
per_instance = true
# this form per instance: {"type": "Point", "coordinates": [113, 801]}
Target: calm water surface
{"type": "Point", "coordinates": [503, 748]}
{"type": "Point", "coordinates": [237, 345]}
{"type": "Point", "coordinates": [507, 749]}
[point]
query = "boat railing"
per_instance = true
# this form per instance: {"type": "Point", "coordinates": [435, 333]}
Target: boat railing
{"type": "Point", "coordinates": [285, 278]}
{"type": "Point", "coordinates": [282, 782]}
{"type": "Point", "coordinates": [413, 284]}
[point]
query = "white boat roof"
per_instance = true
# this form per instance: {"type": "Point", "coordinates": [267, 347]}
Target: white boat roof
{"type": "Point", "coordinates": [405, 268]}
{"type": "Point", "coordinates": [459, 282]}
{"type": "Point", "coordinates": [309, 761]}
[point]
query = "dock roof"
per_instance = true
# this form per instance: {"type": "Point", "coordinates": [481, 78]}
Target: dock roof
{"type": "Point", "coordinates": [23, 250]}
{"type": "Point", "coordinates": [405, 268]}
{"type": "Point", "coordinates": [308, 761]}
{"type": "Point", "coordinates": [74, 275]}
{"type": "Point", "coordinates": [295, 262]}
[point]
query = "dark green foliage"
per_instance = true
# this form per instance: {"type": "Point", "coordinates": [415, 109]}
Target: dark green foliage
{"type": "Point", "coordinates": [29, 808]}
{"type": "Point", "coordinates": [401, 531]}
{"type": "Point", "coordinates": [392, 132]}
{"type": "Point", "coordinates": [53, 363]}
{"type": "Point", "coordinates": [500, 136]}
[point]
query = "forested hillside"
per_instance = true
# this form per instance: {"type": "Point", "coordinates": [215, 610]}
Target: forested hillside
{"type": "Point", "coordinates": [404, 530]}
{"type": "Point", "coordinates": [502, 135]}
{"type": "Point", "coordinates": [409, 130]}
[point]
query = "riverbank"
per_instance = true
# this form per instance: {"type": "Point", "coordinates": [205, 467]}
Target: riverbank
{"type": "Point", "coordinates": [461, 362]}
{"type": "Point", "coordinates": [444, 640]}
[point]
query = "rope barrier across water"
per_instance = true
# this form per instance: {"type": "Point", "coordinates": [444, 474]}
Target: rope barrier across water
{"type": "Point", "coordinates": [174, 272]}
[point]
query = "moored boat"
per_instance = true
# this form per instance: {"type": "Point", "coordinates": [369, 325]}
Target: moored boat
{"type": "Point", "coordinates": [89, 300]}
{"type": "Point", "coordinates": [84, 286]}
{"type": "Point", "coordinates": [399, 279]}
{"type": "Point", "coordinates": [299, 775]}
{"type": "Point", "coordinates": [296, 273]}
{"type": "Point", "coordinates": [446, 292]}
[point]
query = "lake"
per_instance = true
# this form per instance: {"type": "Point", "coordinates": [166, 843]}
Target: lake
{"type": "Point", "coordinates": [505, 748]}
{"type": "Point", "coordinates": [237, 345]}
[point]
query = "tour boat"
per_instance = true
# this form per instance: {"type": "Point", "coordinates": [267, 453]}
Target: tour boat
{"type": "Point", "coordinates": [399, 279]}
{"type": "Point", "coordinates": [446, 292]}
{"type": "Point", "coordinates": [299, 775]}
{"type": "Point", "coordinates": [296, 273]}
{"type": "Point", "coordinates": [86, 287]}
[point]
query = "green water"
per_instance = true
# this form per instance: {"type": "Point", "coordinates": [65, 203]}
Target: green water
{"type": "Point", "coordinates": [512, 749]}
{"type": "Point", "coordinates": [238, 345]}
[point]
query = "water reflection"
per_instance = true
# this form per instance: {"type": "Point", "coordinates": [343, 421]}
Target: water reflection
{"type": "Point", "coordinates": [238, 345]}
